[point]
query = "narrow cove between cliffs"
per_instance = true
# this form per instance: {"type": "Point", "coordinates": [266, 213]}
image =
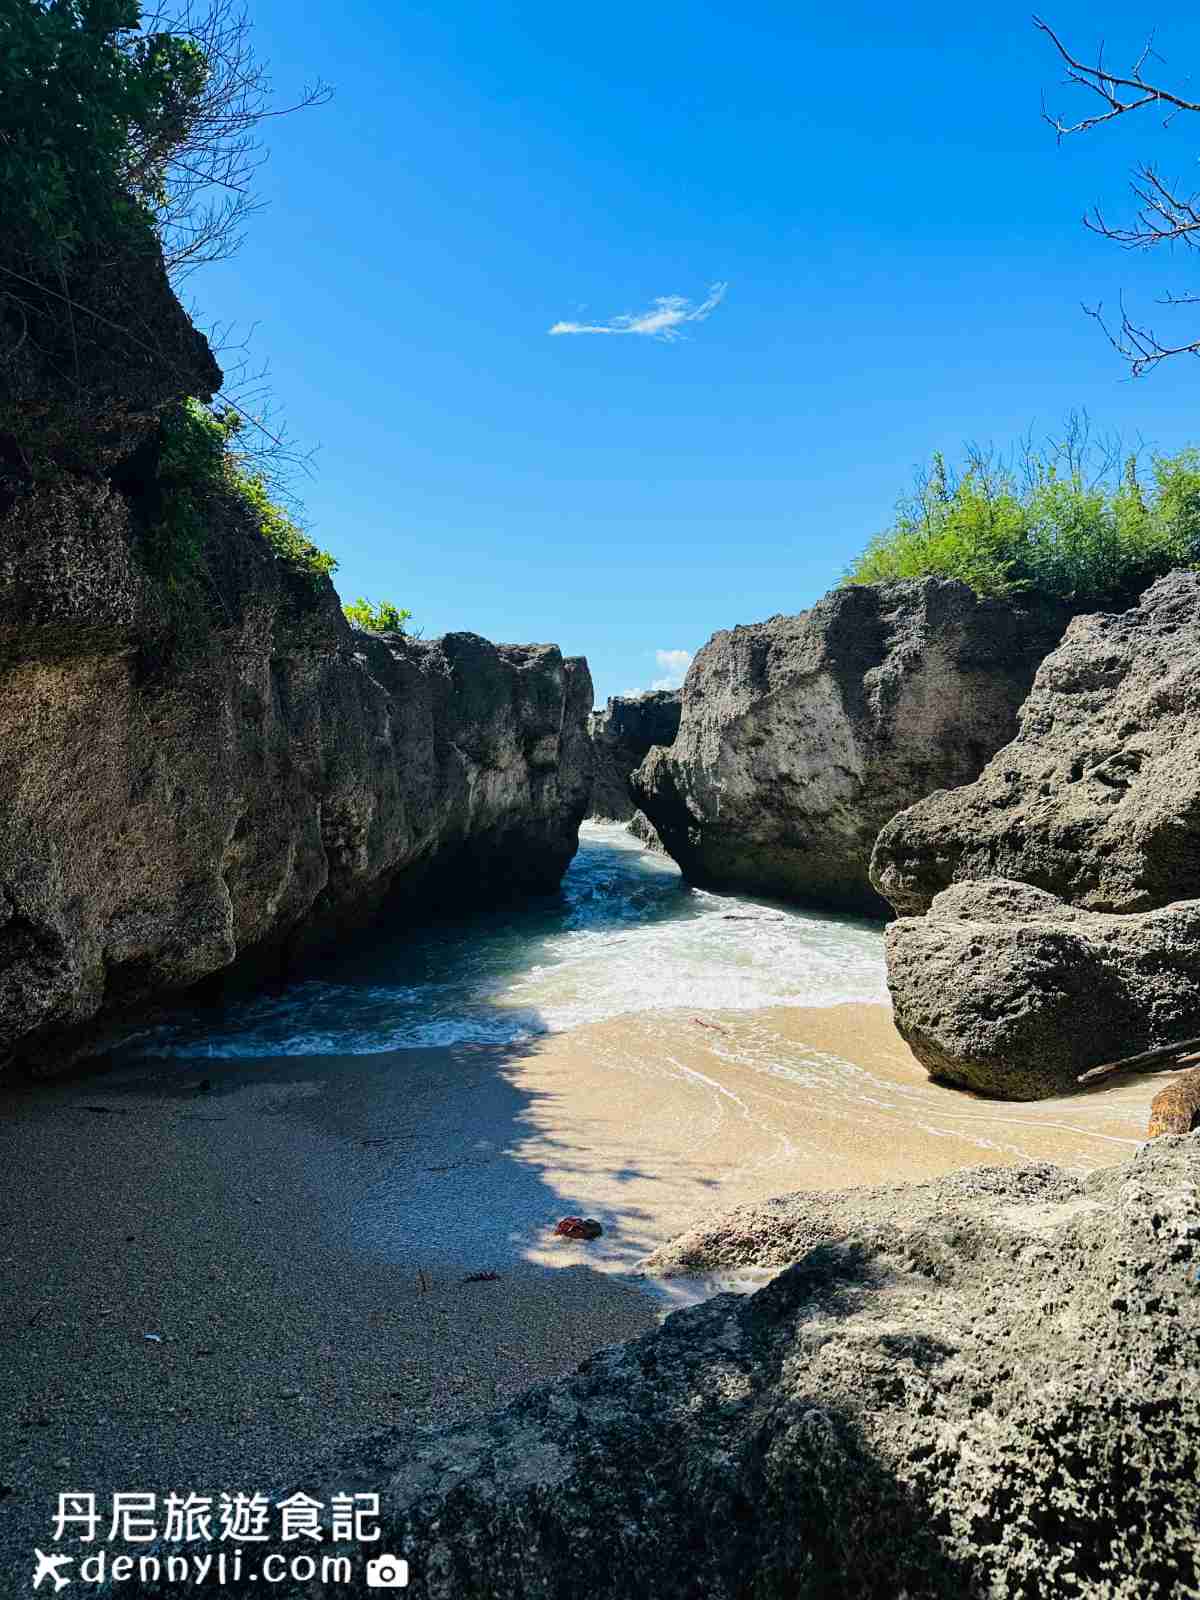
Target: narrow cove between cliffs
{"type": "Point", "coordinates": [632, 1049]}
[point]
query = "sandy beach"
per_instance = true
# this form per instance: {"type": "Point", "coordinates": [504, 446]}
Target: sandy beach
{"type": "Point", "coordinates": [296, 1232]}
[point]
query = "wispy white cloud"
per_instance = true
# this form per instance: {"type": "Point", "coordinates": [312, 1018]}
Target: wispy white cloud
{"type": "Point", "coordinates": [673, 664]}
{"type": "Point", "coordinates": [664, 321]}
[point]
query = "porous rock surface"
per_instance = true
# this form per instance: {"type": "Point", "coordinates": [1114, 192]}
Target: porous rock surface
{"type": "Point", "coordinates": [801, 736]}
{"type": "Point", "coordinates": [1007, 990]}
{"type": "Point", "coordinates": [250, 777]}
{"type": "Point", "coordinates": [1097, 798]}
{"type": "Point", "coordinates": [1176, 1109]}
{"type": "Point", "coordinates": [158, 826]}
{"type": "Point", "coordinates": [983, 1387]}
{"type": "Point", "coordinates": [623, 734]}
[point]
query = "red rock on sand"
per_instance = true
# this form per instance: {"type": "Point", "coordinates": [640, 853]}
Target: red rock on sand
{"type": "Point", "coordinates": [579, 1228]}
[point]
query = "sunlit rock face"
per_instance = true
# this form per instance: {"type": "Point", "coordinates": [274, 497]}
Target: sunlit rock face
{"type": "Point", "coordinates": [801, 736]}
{"type": "Point", "coordinates": [1051, 909]}
{"type": "Point", "coordinates": [1097, 798]}
{"type": "Point", "coordinates": [1007, 990]}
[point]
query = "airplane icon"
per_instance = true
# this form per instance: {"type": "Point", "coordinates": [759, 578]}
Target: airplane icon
{"type": "Point", "coordinates": [47, 1567]}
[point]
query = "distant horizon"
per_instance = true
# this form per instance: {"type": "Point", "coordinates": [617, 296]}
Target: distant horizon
{"type": "Point", "coordinates": [618, 348]}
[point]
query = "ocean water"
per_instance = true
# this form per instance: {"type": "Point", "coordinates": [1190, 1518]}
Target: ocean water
{"type": "Point", "coordinates": [625, 935]}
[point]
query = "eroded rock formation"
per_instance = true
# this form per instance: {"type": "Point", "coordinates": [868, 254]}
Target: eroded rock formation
{"type": "Point", "coordinates": [1176, 1109]}
{"type": "Point", "coordinates": [1007, 990]}
{"type": "Point", "coordinates": [979, 1386]}
{"type": "Point", "coordinates": [1097, 798]}
{"type": "Point", "coordinates": [1052, 907]}
{"type": "Point", "coordinates": [180, 791]}
{"type": "Point", "coordinates": [623, 734]}
{"type": "Point", "coordinates": [800, 737]}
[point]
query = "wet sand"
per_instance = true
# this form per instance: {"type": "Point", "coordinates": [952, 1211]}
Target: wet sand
{"type": "Point", "coordinates": [297, 1230]}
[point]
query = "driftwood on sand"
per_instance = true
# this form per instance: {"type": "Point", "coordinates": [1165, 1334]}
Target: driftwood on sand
{"type": "Point", "coordinates": [1144, 1061]}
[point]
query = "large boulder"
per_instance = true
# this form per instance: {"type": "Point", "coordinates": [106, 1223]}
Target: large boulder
{"type": "Point", "coordinates": [801, 736]}
{"type": "Point", "coordinates": [983, 1386]}
{"type": "Point", "coordinates": [1097, 799]}
{"type": "Point", "coordinates": [1009, 991]}
{"type": "Point", "coordinates": [623, 734]}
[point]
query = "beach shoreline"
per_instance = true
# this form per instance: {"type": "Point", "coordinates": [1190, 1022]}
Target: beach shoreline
{"type": "Point", "coordinates": [213, 1269]}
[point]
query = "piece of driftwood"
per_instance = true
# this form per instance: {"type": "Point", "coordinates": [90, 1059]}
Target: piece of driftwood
{"type": "Point", "coordinates": [1140, 1063]}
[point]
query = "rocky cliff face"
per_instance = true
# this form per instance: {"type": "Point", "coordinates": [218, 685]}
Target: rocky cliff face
{"type": "Point", "coordinates": [979, 1386]}
{"type": "Point", "coordinates": [179, 795]}
{"type": "Point", "coordinates": [1053, 906]}
{"type": "Point", "coordinates": [1097, 799]}
{"type": "Point", "coordinates": [800, 737]}
{"type": "Point", "coordinates": [623, 734]}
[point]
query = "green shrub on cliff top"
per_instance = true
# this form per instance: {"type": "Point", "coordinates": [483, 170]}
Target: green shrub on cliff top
{"type": "Point", "coordinates": [376, 616]}
{"type": "Point", "coordinates": [90, 113]}
{"type": "Point", "coordinates": [1061, 522]}
{"type": "Point", "coordinates": [199, 463]}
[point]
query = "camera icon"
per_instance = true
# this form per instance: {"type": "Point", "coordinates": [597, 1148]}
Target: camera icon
{"type": "Point", "coordinates": [387, 1572]}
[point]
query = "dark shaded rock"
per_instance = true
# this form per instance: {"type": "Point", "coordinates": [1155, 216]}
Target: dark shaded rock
{"type": "Point", "coordinates": [800, 737]}
{"type": "Point", "coordinates": [1097, 799]}
{"type": "Point", "coordinates": [979, 1387]}
{"type": "Point", "coordinates": [82, 389]}
{"type": "Point", "coordinates": [623, 734]}
{"type": "Point", "coordinates": [1006, 990]}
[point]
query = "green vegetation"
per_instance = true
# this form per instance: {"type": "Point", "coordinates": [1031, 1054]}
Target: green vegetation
{"type": "Point", "coordinates": [116, 132]}
{"type": "Point", "coordinates": [90, 113]}
{"type": "Point", "coordinates": [1068, 520]}
{"type": "Point", "coordinates": [376, 617]}
{"type": "Point", "coordinates": [198, 466]}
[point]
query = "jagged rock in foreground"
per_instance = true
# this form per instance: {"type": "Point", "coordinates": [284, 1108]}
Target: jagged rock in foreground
{"type": "Point", "coordinates": [623, 734]}
{"type": "Point", "coordinates": [1097, 799]}
{"type": "Point", "coordinates": [984, 1386]}
{"type": "Point", "coordinates": [801, 736]}
{"type": "Point", "coordinates": [1009, 991]}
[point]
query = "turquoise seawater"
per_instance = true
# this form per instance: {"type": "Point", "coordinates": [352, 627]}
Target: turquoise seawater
{"type": "Point", "coordinates": [625, 934]}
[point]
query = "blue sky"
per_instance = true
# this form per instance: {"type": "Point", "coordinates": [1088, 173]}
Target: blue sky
{"type": "Point", "coordinates": [898, 235]}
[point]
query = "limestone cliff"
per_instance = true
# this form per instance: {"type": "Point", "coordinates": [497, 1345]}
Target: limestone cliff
{"type": "Point", "coordinates": [183, 786]}
{"type": "Point", "coordinates": [801, 736]}
{"type": "Point", "coordinates": [1097, 799]}
{"type": "Point", "coordinates": [623, 734]}
{"type": "Point", "coordinates": [1051, 909]}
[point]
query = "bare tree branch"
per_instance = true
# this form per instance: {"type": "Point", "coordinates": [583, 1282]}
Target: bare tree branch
{"type": "Point", "coordinates": [1165, 214]}
{"type": "Point", "coordinates": [197, 173]}
{"type": "Point", "coordinates": [1108, 85]}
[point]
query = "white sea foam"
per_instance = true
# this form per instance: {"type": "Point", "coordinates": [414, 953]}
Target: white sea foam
{"type": "Point", "coordinates": [625, 935]}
